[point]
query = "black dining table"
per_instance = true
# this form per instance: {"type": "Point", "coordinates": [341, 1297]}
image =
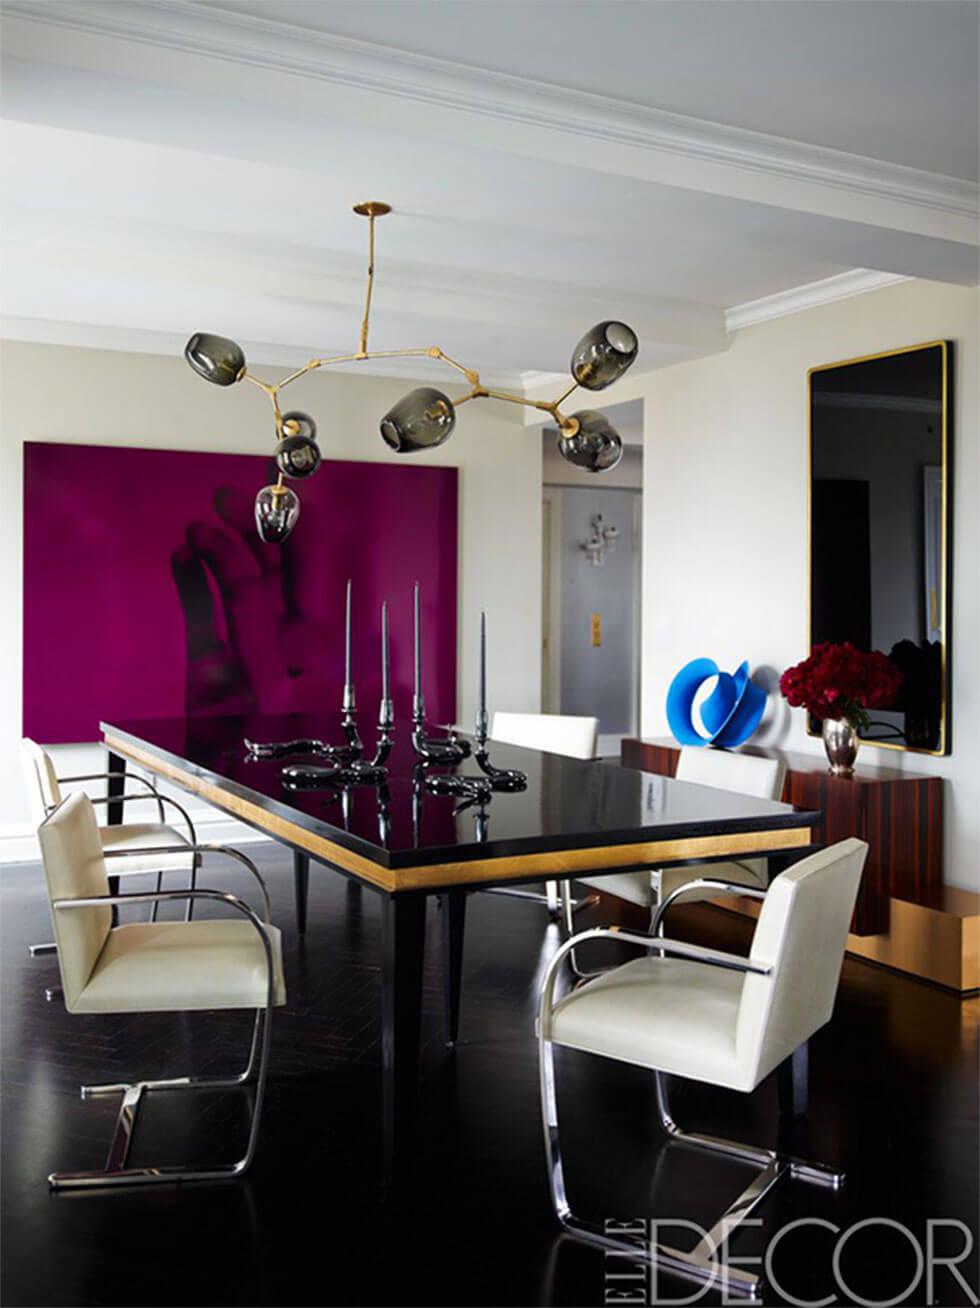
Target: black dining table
{"type": "Point", "coordinates": [574, 818]}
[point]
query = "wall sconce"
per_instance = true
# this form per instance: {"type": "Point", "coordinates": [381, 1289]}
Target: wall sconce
{"type": "Point", "coordinates": [603, 538]}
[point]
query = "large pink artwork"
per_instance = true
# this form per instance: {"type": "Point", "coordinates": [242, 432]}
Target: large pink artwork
{"type": "Point", "coordinates": [148, 594]}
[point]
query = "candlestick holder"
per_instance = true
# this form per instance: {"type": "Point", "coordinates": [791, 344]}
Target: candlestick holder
{"type": "Point", "coordinates": [511, 779]}
{"type": "Point", "coordinates": [440, 750]}
{"type": "Point", "coordinates": [353, 770]}
{"type": "Point", "coordinates": [500, 778]}
{"type": "Point", "coordinates": [370, 772]}
{"type": "Point", "coordinates": [351, 749]}
{"type": "Point", "coordinates": [446, 750]}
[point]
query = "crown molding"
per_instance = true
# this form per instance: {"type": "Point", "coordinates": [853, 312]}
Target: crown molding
{"type": "Point", "coordinates": [131, 340]}
{"type": "Point", "coordinates": [858, 281]}
{"type": "Point", "coordinates": [199, 29]}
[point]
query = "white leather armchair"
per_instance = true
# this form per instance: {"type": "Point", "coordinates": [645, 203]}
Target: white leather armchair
{"type": "Point", "coordinates": [713, 1017]}
{"type": "Point", "coordinates": [554, 733]}
{"type": "Point", "coordinates": [743, 774]}
{"type": "Point", "coordinates": [136, 845]}
{"type": "Point", "coordinates": [154, 967]}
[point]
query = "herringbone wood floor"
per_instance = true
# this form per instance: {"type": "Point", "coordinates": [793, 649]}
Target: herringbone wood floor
{"type": "Point", "coordinates": [893, 1099]}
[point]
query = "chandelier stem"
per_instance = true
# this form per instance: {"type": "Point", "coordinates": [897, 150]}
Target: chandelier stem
{"type": "Point", "coordinates": [370, 287]}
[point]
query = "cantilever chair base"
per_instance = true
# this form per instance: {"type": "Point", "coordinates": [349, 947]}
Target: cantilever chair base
{"type": "Point", "coordinates": [702, 1265]}
{"type": "Point", "coordinates": [106, 969]}
{"type": "Point", "coordinates": [116, 1172]}
{"type": "Point", "coordinates": [550, 899]}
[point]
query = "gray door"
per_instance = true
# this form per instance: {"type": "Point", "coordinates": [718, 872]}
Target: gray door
{"type": "Point", "coordinates": [598, 610]}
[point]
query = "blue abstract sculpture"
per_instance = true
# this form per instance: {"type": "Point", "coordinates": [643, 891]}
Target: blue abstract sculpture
{"type": "Point", "coordinates": [730, 714]}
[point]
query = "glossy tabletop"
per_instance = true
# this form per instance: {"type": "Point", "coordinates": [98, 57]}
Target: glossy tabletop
{"type": "Point", "coordinates": [574, 815]}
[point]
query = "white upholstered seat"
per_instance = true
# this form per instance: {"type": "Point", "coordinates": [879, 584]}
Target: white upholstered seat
{"type": "Point", "coordinates": [712, 1017]}
{"type": "Point", "coordinates": [153, 967]}
{"type": "Point", "coordinates": [159, 967]}
{"type": "Point", "coordinates": [665, 1013]}
{"type": "Point", "coordinates": [744, 774]}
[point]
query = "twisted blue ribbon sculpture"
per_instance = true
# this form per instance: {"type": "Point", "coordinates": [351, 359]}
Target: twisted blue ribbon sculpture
{"type": "Point", "coordinates": [730, 714]}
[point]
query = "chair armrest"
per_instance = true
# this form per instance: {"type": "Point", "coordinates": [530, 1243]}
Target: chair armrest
{"type": "Point", "coordinates": [679, 948]}
{"type": "Point", "coordinates": [159, 800]}
{"type": "Point", "coordinates": [701, 883]}
{"type": "Point", "coordinates": [157, 896]}
{"type": "Point", "coordinates": [227, 850]}
{"type": "Point", "coordinates": [119, 776]}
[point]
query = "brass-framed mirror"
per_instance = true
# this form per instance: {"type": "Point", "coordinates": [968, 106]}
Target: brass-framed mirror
{"type": "Point", "coordinates": [879, 529]}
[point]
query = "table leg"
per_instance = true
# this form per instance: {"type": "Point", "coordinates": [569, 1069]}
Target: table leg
{"type": "Point", "coordinates": [453, 925]}
{"type": "Point", "coordinates": [403, 932]}
{"type": "Point", "coordinates": [114, 811]}
{"type": "Point", "coordinates": [117, 785]}
{"type": "Point", "coordinates": [301, 880]}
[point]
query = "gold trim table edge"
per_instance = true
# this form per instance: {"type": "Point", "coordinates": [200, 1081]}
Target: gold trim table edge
{"type": "Point", "coordinates": [436, 876]}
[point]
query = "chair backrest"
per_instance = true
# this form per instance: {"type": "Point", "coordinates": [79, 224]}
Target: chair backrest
{"type": "Point", "coordinates": [555, 733]}
{"type": "Point", "coordinates": [43, 791]}
{"type": "Point", "coordinates": [745, 774]}
{"type": "Point", "coordinates": [75, 869]}
{"type": "Point", "coordinates": [801, 935]}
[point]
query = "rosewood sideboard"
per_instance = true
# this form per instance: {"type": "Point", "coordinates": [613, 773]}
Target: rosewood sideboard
{"type": "Point", "coordinates": [899, 814]}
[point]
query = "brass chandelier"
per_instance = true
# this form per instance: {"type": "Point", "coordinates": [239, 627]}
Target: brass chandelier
{"type": "Point", "coordinates": [424, 418]}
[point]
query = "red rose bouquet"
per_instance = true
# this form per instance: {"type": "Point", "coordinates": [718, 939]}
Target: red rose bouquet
{"type": "Point", "coordinates": [840, 681]}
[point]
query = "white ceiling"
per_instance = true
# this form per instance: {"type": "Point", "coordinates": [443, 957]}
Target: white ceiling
{"type": "Point", "coordinates": [886, 78]}
{"type": "Point", "coordinates": [175, 167]}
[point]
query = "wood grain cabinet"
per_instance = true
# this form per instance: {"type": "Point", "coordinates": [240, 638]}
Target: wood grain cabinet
{"type": "Point", "coordinates": [899, 814]}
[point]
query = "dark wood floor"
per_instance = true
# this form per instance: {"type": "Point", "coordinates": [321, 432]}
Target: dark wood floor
{"type": "Point", "coordinates": [894, 1100]}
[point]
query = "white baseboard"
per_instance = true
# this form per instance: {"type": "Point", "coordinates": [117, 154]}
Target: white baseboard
{"type": "Point", "coordinates": [18, 841]}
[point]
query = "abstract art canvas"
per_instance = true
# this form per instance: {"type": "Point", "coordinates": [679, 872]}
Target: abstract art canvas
{"type": "Point", "coordinates": [147, 592]}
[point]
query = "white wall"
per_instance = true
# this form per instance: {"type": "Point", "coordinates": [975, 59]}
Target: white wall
{"type": "Point", "coordinates": [725, 477]}
{"type": "Point", "coordinates": [56, 393]}
{"type": "Point", "coordinates": [725, 529]}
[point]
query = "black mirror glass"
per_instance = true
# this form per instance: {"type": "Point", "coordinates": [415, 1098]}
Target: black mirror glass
{"type": "Point", "coordinates": [879, 528]}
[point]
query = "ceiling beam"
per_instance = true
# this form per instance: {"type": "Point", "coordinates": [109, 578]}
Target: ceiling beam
{"type": "Point", "coordinates": [339, 78]}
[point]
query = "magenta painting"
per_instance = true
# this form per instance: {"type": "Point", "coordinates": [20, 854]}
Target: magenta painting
{"type": "Point", "coordinates": [147, 592]}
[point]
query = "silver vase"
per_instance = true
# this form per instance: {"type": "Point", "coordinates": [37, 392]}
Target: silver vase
{"type": "Point", "coordinates": [841, 742]}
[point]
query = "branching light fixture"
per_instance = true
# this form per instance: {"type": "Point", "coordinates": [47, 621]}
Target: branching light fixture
{"type": "Point", "coordinates": [424, 418]}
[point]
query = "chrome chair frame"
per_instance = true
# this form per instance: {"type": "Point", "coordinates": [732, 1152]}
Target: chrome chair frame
{"type": "Point", "coordinates": [256, 1070]}
{"type": "Point", "coordinates": [699, 883]}
{"type": "Point", "coordinates": [659, 907]}
{"type": "Point", "coordinates": [38, 951]}
{"type": "Point", "coordinates": [700, 1265]}
{"type": "Point", "coordinates": [559, 903]}
{"type": "Point", "coordinates": [172, 849]}
{"type": "Point", "coordinates": [119, 776]}
{"type": "Point", "coordinates": [49, 947]}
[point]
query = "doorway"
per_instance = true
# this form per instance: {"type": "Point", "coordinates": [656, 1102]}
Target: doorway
{"type": "Point", "coordinates": [591, 572]}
